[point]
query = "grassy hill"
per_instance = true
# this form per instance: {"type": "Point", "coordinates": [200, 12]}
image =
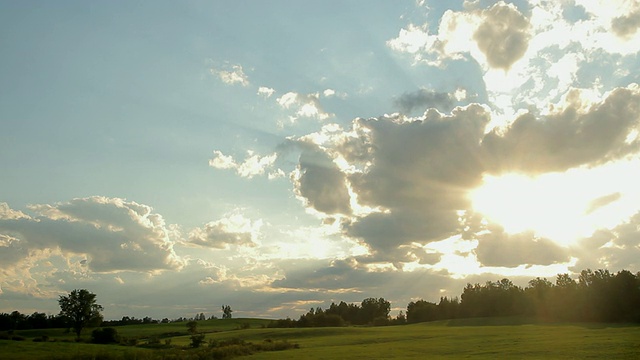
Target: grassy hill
{"type": "Point", "coordinates": [488, 338]}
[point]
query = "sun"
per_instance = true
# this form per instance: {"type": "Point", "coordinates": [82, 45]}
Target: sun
{"type": "Point", "coordinates": [564, 207]}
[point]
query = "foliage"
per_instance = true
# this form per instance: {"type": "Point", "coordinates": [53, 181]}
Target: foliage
{"type": "Point", "coordinates": [597, 296]}
{"type": "Point", "coordinates": [17, 321]}
{"type": "Point", "coordinates": [196, 338]}
{"type": "Point", "coordinates": [80, 308]}
{"type": "Point", "coordinates": [226, 312]}
{"type": "Point", "coordinates": [105, 336]}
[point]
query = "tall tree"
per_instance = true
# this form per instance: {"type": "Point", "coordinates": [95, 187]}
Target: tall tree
{"type": "Point", "coordinates": [226, 312]}
{"type": "Point", "coordinates": [80, 309]}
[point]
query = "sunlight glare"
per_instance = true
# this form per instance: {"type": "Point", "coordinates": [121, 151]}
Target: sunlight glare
{"type": "Point", "coordinates": [558, 205]}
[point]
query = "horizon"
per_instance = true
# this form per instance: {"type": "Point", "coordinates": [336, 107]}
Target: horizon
{"type": "Point", "coordinates": [175, 157]}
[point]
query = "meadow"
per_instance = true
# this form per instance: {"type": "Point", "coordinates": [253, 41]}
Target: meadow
{"type": "Point", "coordinates": [486, 338]}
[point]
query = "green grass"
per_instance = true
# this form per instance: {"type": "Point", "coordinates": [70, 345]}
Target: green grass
{"type": "Point", "coordinates": [458, 339]}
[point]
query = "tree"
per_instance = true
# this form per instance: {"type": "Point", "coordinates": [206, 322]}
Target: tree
{"type": "Point", "coordinates": [372, 308]}
{"type": "Point", "coordinates": [226, 312]}
{"type": "Point", "coordinates": [196, 338]}
{"type": "Point", "coordinates": [80, 309]}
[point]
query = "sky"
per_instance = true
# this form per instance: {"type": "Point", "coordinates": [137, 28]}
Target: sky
{"type": "Point", "coordinates": [172, 157]}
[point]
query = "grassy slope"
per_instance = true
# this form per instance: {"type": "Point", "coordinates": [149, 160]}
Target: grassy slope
{"type": "Point", "coordinates": [441, 340]}
{"type": "Point", "coordinates": [472, 338]}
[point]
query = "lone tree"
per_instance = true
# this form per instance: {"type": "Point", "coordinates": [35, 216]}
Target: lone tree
{"type": "Point", "coordinates": [80, 309]}
{"type": "Point", "coordinates": [226, 312]}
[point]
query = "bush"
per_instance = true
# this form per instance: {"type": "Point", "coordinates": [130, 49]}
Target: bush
{"type": "Point", "coordinates": [197, 340]}
{"type": "Point", "coordinates": [105, 336]}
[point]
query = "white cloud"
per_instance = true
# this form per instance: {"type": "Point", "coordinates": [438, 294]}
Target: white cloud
{"type": "Point", "coordinates": [305, 105]}
{"type": "Point", "coordinates": [265, 91]}
{"type": "Point", "coordinates": [253, 165]}
{"type": "Point", "coordinates": [231, 74]}
{"type": "Point", "coordinates": [328, 92]}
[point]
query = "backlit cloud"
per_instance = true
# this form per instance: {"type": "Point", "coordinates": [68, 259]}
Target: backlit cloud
{"type": "Point", "coordinates": [113, 234]}
{"type": "Point", "coordinates": [233, 229]}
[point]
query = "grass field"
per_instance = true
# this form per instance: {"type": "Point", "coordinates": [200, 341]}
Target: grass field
{"type": "Point", "coordinates": [454, 339]}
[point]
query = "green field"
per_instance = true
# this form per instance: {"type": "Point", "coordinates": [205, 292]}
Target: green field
{"type": "Point", "coordinates": [472, 338]}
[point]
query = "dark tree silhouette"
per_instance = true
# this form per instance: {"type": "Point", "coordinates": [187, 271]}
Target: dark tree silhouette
{"type": "Point", "coordinates": [80, 309]}
{"type": "Point", "coordinates": [226, 312]}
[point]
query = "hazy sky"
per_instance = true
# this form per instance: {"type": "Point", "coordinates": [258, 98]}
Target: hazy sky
{"type": "Point", "coordinates": [174, 156]}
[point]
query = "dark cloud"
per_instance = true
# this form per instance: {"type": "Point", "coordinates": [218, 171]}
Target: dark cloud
{"type": "Point", "coordinates": [321, 182]}
{"type": "Point", "coordinates": [420, 172]}
{"type": "Point", "coordinates": [503, 36]}
{"type": "Point", "coordinates": [424, 99]}
{"type": "Point", "coordinates": [569, 138]}
{"type": "Point", "coordinates": [498, 248]}
{"type": "Point", "coordinates": [627, 25]}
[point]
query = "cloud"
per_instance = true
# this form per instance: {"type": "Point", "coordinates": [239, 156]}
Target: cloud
{"type": "Point", "coordinates": [397, 168]}
{"type": "Point", "coordinates": [602, 202]}
{"type": "Point", "coordinates": [305, 105]}
{"type": "Point", "coordinates": [415, 174]}
{"type": "Point", "coordinates": [233, 229]}
{"type": "Point", "coordinates": [231, 74]}
{"type": "Point", "coordinates": [265, 91]}
{"type": "Point", "coordinates": [114, 234]}
{"type": "Point", "coordinates": [578, 132]}
{"type": "Point", "coordinates": [7, 213]}
{"type": "Point", "coordinates": [503, 36]}
{"type": "Point", "coordinates": [627, 25]}
{"type": "Point", "coordinates": [424, 99]}
{"type": "Point", "coordinates": [252, 165]}
{"type": "Point", "coordinates": [497, 248]}
{"type": "Point", "coordinates": [319, 181]}
{"type": "Point", "coordinates": [617, 248]}
{"type": "Point", "coordinates": [496, 37]}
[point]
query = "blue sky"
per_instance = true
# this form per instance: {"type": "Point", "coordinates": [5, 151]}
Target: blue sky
{"type": "Point", "coordinates": [281, 155]}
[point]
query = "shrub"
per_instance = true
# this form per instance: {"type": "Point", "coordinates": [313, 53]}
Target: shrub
{"type": "Point", "coordinates": [105, 336]}
{"type": "Point", "coordinates": [197, 340]}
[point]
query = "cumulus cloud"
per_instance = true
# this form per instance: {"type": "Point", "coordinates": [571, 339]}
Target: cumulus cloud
{"type": "Point", "coordinates": [233, 229]}
{"type": "Point", "coordinates": [114, 234]}
{"type": "Point", "coordinates": [498, 37]}
{"type": "Point", "coordinates": [417, 173]}
{"type": "Point", "coordinates": [319, 181]}
{"type": "Point", "coordinates": [577, 133]}
{"type": "Point", "coordinates": [252, 165]}
{"type": "Point", "coordinates": [627, 25]}
{"type": "Point", "coordinates": [503, 36]}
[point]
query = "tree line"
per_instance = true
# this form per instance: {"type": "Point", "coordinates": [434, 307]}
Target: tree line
{"type": "Point", "coordinates": [371, 311]}
{"type": "Point", "coordinates": [597, 296]}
